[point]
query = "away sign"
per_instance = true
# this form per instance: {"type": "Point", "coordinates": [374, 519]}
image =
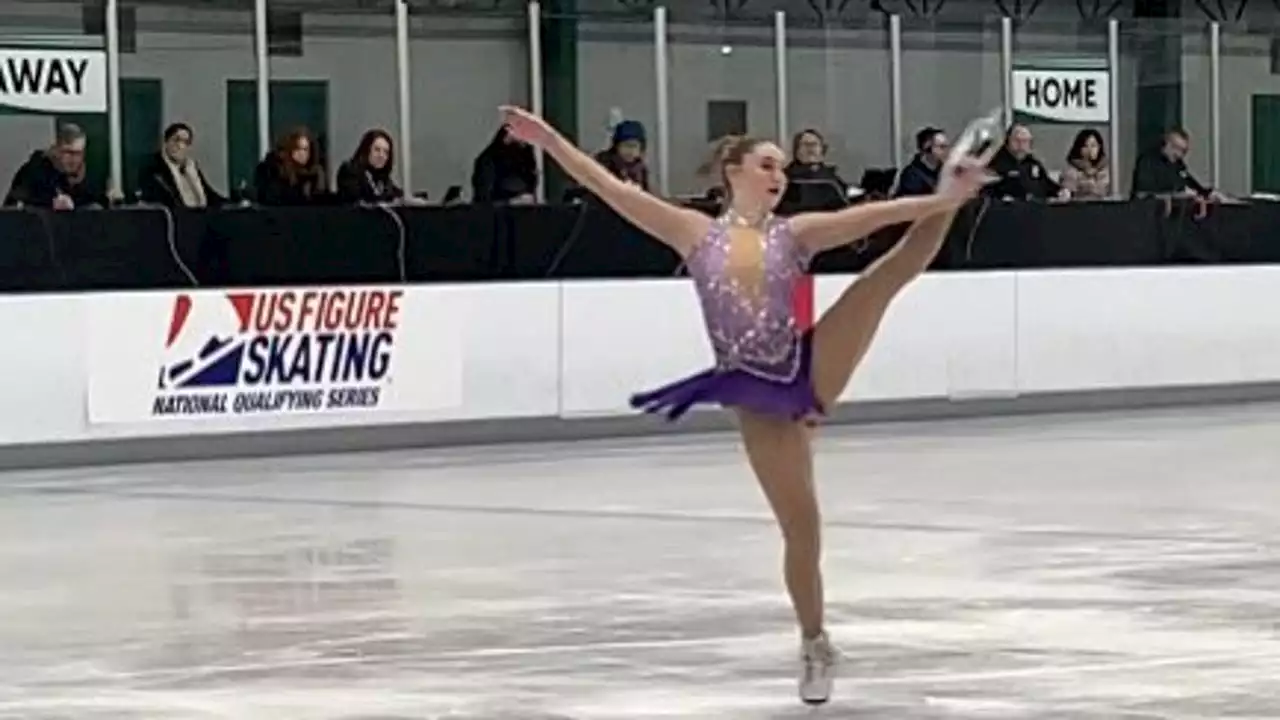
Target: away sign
{"type": "Point", "coordinates": [53, 81]}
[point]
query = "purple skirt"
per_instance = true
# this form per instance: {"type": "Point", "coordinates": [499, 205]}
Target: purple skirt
{"type": "Point", "coordinates": [794, 400]}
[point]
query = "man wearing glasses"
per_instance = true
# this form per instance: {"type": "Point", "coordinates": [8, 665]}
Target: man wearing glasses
{"type": "Point", "coordinates": [920, 176]}
{"type": "Point", "coordinates": [55, 178]}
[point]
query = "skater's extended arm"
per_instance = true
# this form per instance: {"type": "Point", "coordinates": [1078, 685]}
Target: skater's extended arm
{"type": "Point", "coordinates": [681, 228]}
{"type": "Point", "coordinates": [823, 231]}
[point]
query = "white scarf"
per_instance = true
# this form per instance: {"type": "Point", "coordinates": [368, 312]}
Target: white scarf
{"type": "Point", "coordinates": [187, 179]}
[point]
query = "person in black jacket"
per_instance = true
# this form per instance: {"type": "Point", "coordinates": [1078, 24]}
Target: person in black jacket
{"type": "Point", "coordinates": [920, 176]}
{"type": "Point", "coordinates": [809, 161]}
{"type": "Point", "coordinates": [291, 175]}
{"type": "Point", "coordinates": [366, 177]}
{"type": "Point", "coordinates": [1020, 174]}
{"type": "Point", "coordinates": [624, 157]}
{"type": "Point", "coordinates": [506, 171]}
{"type": "Point", "coordinates": [55, 178]}
{"type": "Point", "coordinates": [172, 178]}
{"type": "Point", "coordinates": [1163, 170]}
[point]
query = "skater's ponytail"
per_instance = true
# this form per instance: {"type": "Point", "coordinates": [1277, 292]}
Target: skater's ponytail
{"type": "Point", "coordinates": [727, 152]}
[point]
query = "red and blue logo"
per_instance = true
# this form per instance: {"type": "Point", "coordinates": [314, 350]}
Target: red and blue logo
{"type": "Point", "coordinates": [277, 351]}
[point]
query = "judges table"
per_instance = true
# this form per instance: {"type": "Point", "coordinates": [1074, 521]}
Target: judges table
{"type": "Point", "coordinates": [143, 248]}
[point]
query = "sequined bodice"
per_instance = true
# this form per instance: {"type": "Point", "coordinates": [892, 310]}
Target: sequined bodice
{"type": "Point", "coordinates": [746, 280]}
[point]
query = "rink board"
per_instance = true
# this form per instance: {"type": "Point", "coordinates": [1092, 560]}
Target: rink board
{"type": "Point", "coordinates": [578, 349]}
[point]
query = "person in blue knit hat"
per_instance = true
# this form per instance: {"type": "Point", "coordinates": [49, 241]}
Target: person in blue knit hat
{"type": "Point", "coordinates": [625, 155]}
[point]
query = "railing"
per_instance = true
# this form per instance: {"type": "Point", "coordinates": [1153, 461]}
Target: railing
{"type": "Point", "coordinates": [144, 248]}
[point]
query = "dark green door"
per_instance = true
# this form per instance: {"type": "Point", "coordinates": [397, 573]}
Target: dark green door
{"type": "Point", "coordinates": [1265, 128]}
{"type": "Point", "coordinates": [293, 103]}
{"type": "Point", "coordinates": [141, 109]}
{"type": "Point", "coordinates": [142, 122]}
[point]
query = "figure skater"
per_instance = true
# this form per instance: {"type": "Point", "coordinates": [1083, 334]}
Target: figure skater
{"type": "Point", "coordinates": [777, 380]}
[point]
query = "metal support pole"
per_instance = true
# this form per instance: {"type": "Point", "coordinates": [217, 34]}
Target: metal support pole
{"type": "Point", "coordinates": [404, 77]}
{"type": "Point", "coordinates": [535, 86]}
{"type": "Point", "coordinates": [114, 133]}
{"type": "Point", "coordinates": [664, 109]}
{"type": "Point", "coordinates": [780, 73]}
{"type": "Point", "coordinates": [1006, 67]}
{"type": "Point", "coordinates": [895, 88]}
{"type": "Point", "coordinates": [264, 76]}
{"type": "Point", "coordinates": [1113, 65]}
{"type": "Point", "coordinates": [1215, 104]}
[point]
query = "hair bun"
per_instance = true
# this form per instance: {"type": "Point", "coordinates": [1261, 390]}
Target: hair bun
{"type": "Point", "coordinates": [721, 150]}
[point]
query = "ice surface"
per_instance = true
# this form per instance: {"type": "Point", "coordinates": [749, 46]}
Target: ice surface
{"type": "Point", "coordinates": [1092, 567]}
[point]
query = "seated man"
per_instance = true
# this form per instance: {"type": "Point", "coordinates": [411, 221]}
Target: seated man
{"type": "Point", "coordinates": [55, 178]}
{"type": "Point", "coordinates": [1163, 170]}
{"type": "Point", "coordinates": [1020, 174]}
{"type": "Point", "coordinates": [920, 176]}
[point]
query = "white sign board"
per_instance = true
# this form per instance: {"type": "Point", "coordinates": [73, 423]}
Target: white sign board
{"type": "Point", "coordinates": [54, 81]}
{"type": "Point", "coordinates": [210, 355]}
{"type": "Point", "coordinates": [1063, 95]}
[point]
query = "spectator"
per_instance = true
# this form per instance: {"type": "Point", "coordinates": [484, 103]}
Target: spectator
{"type": "Point", "coordinates": [290, 175]}
{"type": "Point", "coordinates": [1020, 175]}
{"type": "Point", "coordinates": [625, 155]}
{"type": "Point", "coordinates": [920, 176]}
{"type": "Point", "coordinates": [1086, 176]}
{"type": "Point", "coordinates": [1163, 170]}
{"type": "Point", "coordinates": [808, 161]}
{"type": "Point", "coordinates": [366, 177]}
{"type": "Point", "coordinates": [55, 178]}
{"type": "Point", "coordinates": [171, 178]}
{"type": "Point", "coordinates": [505, 171]}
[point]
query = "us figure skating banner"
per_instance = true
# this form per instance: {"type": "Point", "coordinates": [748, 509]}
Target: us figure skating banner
{"type": "Point", "coordinates": [210, 355]}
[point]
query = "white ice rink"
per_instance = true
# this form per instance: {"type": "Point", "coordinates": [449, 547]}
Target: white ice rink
{"type": "Point", "coordinates": [1091, 567]}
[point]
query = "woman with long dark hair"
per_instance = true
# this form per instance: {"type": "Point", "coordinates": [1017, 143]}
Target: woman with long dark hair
{"type": "Point", "coordinates": [506, 171]}
{"type": "Point", "coordinates": [745, 265]}
{"type": "Point", "coordinates": [292, 173]}
{"type": "Point", "coordinates": [367, 176]}
{"type": "Point", "coordinates": [1086, 174]}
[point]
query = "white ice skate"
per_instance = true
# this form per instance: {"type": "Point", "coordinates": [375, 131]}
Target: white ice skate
{"type": "Point", "coordinates": [819, 662]}
{"type": "Point", "coordinates": [977, 136]}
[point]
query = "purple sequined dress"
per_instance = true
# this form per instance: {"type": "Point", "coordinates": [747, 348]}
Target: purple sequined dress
{"type": "Point", "coordinates": [762, 359]}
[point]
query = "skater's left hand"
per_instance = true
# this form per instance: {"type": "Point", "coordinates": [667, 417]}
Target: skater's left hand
{"type": "Point", "coordinates": [527, 127]}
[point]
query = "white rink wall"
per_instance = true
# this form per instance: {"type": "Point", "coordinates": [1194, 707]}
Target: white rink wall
{"type": "Point", "coordinates": [578, 349]}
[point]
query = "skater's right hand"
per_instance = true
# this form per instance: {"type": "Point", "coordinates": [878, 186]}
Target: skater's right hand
{"type": "Point", "coordinates": [527, 127]}
{"type": "Point", "coordinates": [964, 177]}
{"type": "Point", "coordinates": [964, 174]}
